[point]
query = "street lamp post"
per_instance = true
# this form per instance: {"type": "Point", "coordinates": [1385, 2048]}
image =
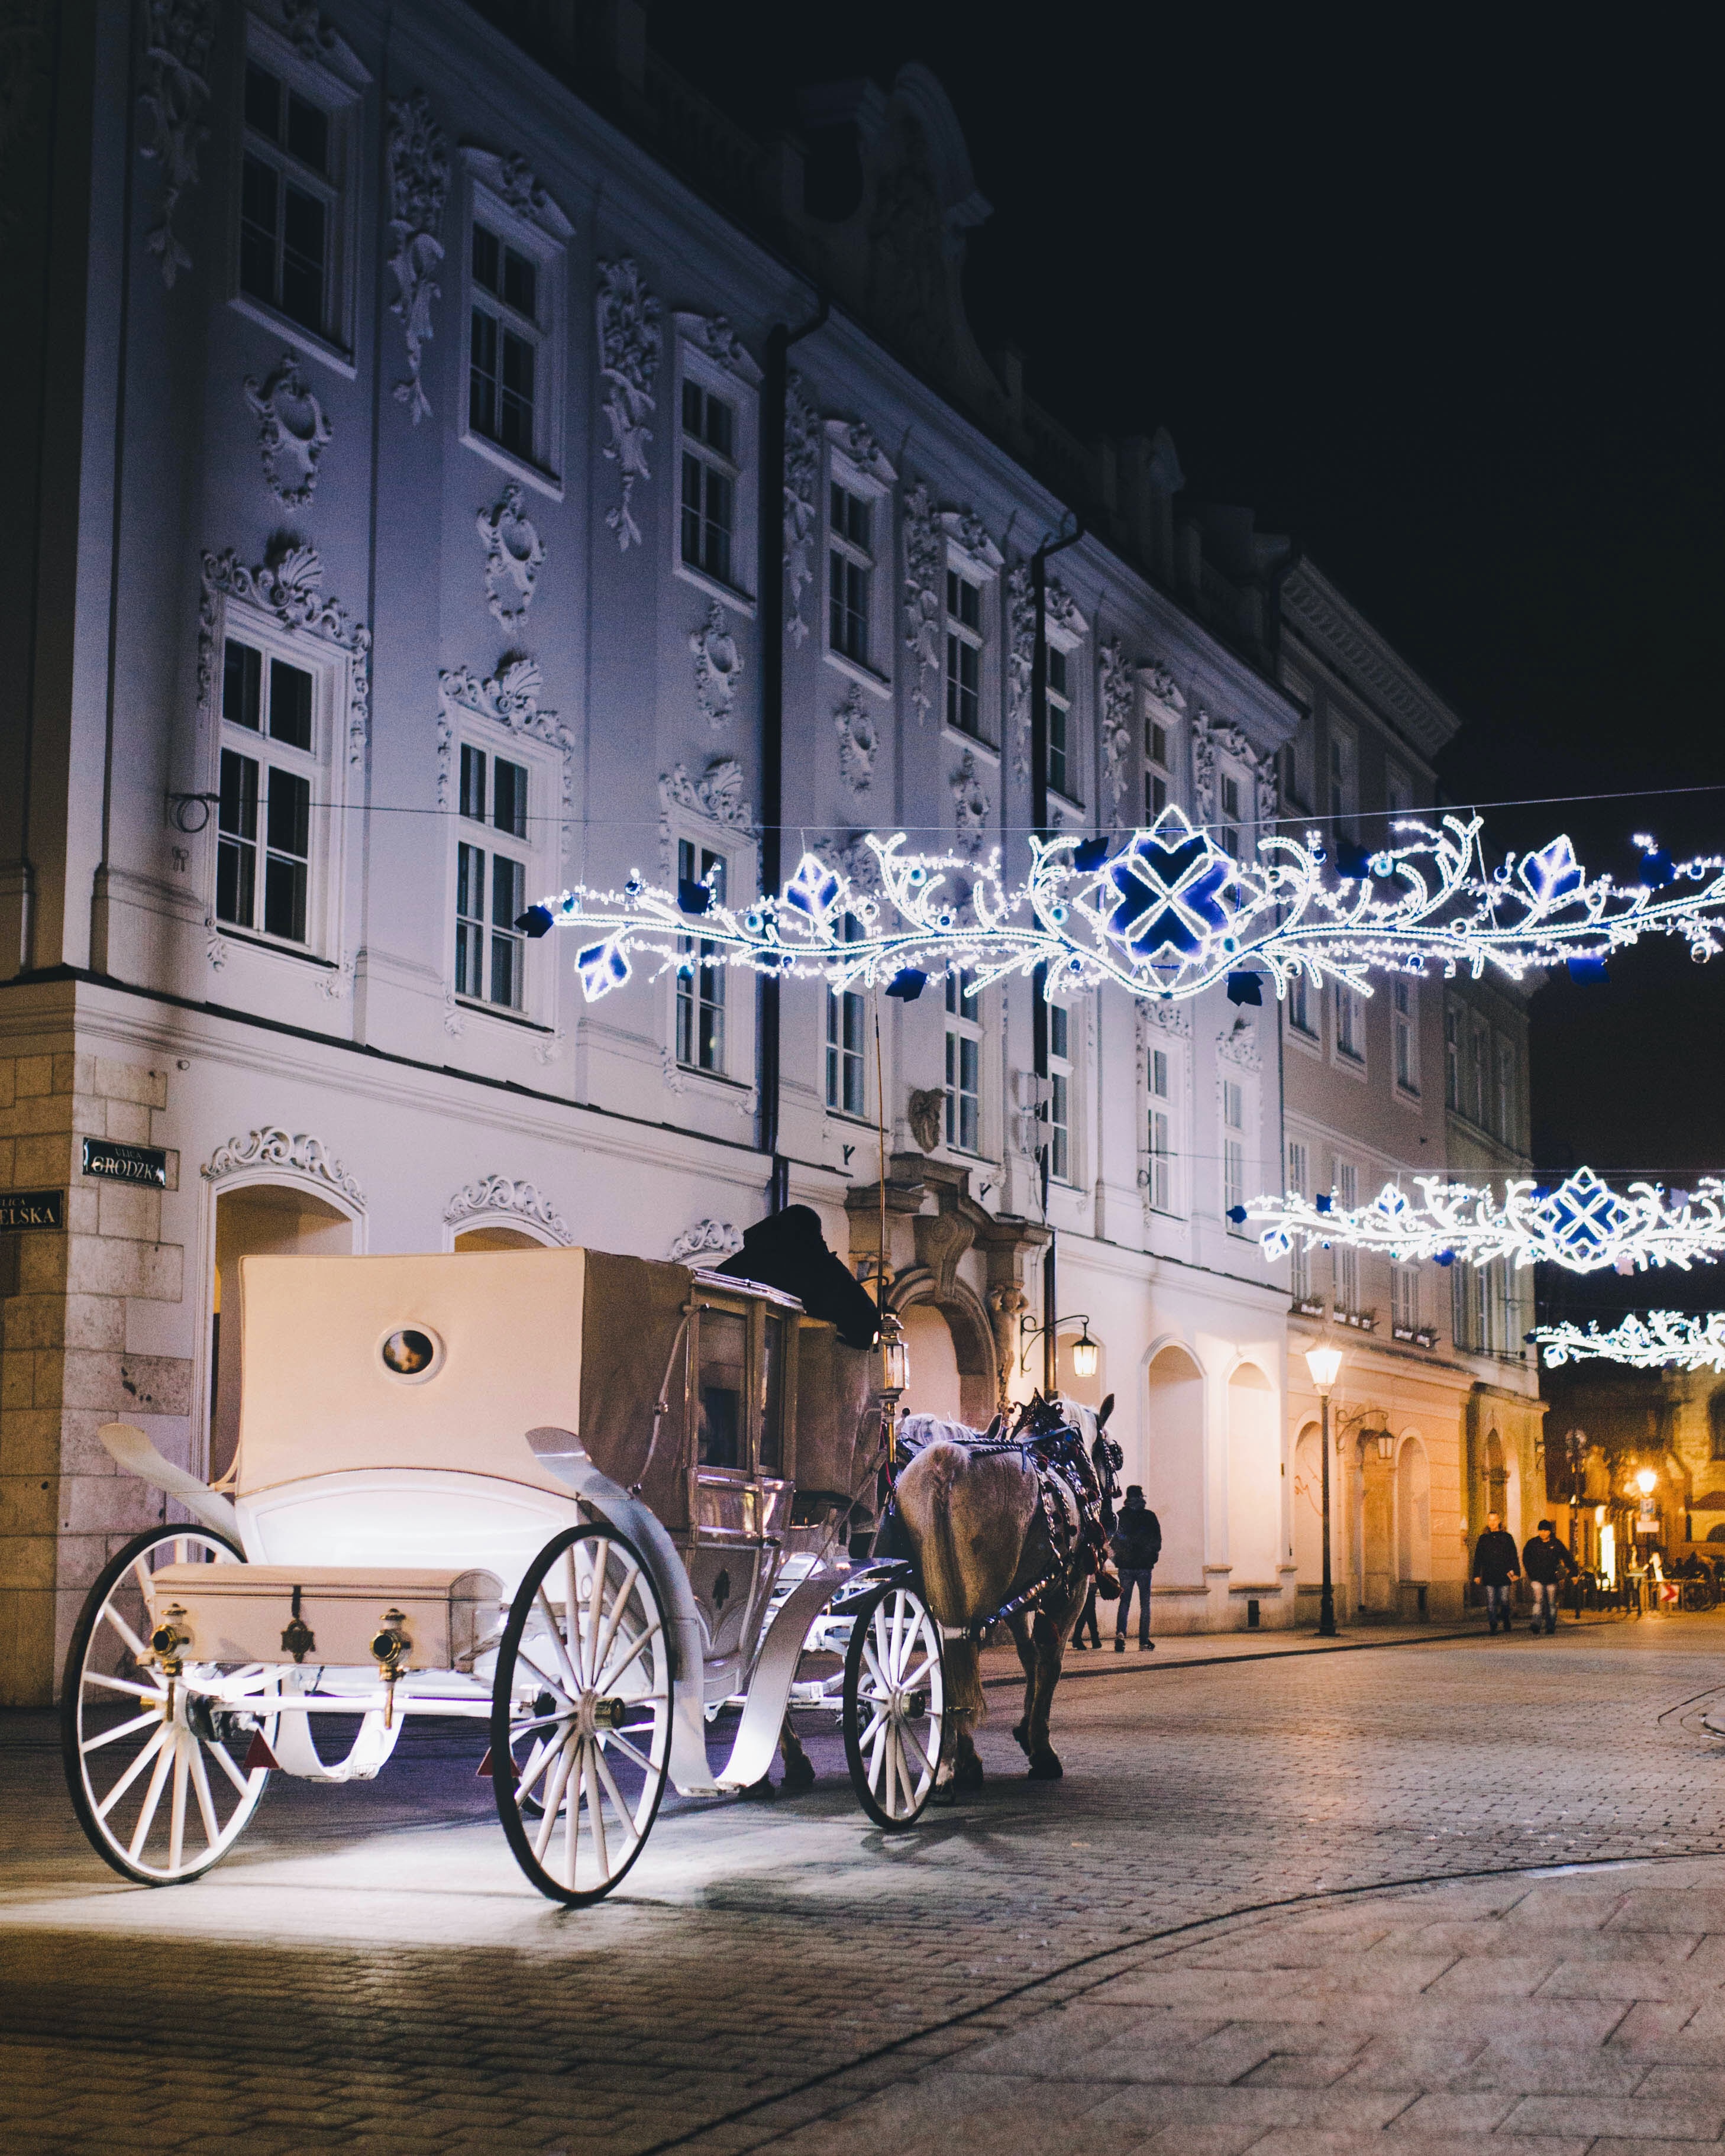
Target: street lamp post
{"type": "Point", "coordinates": [1325, 1364]}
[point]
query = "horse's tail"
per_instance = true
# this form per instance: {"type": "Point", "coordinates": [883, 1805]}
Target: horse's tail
{"type": "Point", "coordinates": [924, 1503]}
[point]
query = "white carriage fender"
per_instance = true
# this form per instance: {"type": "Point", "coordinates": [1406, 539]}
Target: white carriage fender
{"type": "Point", "coordinates": [563, 1453]}
{"type": "Point", "coordinates": [775, 1671]}
{"type": "Point", "coordinates": [295, 1753]}
{"type": "Point", "coordinates": [130, 1449]}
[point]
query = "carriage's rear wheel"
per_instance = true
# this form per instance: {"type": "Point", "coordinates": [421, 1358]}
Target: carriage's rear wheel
{"type": "Point", "coordinates": [155, 1764]}
{"type": "Point", "coordinates": [895, 1706]}
{"type": "Point", "coordinates": [581, 1715]}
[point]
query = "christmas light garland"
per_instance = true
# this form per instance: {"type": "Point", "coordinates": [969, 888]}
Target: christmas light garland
{"type": "Point", "coordinates": [1582, 1224]}
{"type": "Point", "coordinates": [1664, 1340]}
{"type": "Point", "coordinates": [1164, 913]}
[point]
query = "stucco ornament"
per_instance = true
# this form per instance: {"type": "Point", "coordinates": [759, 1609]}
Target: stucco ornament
{"type": "Point", "coordinates": [924, 1111]}
{"type": "Point", "coordinates": [717, 795]}
{"type": "Point", "coordinates": [630, 341]}
{"type": "Point", "coordinates": [1060, 612]}
{"type": "Point", "coordinates": [802, 473]}
{"type": "Point", "coordinates": [174, 89]}
{"type": "Point", "coordinates": [859, 732]}
{"type": "Point", "coordinates": [718, 666]}
{"type": "Point", "coordinates": [272, 1147]}
{"type": "Point", "coordinates": [1117, 701]}
{"type": "Point", "coordinates": [288, 586]}
{"type": "Point", "coordinates": [1211, 738]}
{"type": "Point", "coordinates": [925, 563]}
{"type": "Point", "coordinates": [714, 1240]}
{"type": "Point", "coordinates": [515, 554]}
{"type": "Point", "coordinates": [419, 153]}
{"type": "Point", "coordinates": [970, 806]}
{"type": "Point", "coordinates": [493, 1195]}
{"type": "Point", "coordinates": [508, 698]}
{"type": "Point", "coordinates": [293, 431]}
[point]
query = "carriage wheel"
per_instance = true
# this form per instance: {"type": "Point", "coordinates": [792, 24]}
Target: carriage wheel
{"type": "Point", "coordinates": [155, 1764]}
{"type": "Point", "coordinates": [581, 1715]}
{"type": "Point", "coordinates": [894, 1706]}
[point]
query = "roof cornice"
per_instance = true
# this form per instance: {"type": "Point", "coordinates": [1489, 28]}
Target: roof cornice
{"type": "Point", "coordinates": [1326, 622]}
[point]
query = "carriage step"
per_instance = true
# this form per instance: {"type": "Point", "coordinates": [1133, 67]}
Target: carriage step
{"type": "Point", "coordinates": [258, 1754]}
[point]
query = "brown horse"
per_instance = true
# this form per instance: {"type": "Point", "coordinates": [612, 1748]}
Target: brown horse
{"type": "Point", "coordinates": [980, 1533]}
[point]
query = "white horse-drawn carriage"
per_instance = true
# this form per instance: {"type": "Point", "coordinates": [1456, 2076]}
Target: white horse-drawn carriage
{"type": "Point", "coordinates": [555, 1491]}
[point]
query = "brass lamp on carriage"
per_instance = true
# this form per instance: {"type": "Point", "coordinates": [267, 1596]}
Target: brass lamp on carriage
{"type": "Point", "coordinates": [895, 1380]}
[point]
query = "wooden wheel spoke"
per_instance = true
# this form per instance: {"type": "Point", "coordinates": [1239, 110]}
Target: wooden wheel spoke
{"type": "Point", "coordinates": [533, 1771]}
{"type": "Point", "coordinates": [554, 1798]}
{"type": "Point", "coordinates": [219, 1751]}
{"type": "Point", "coordinates": [602, 1768]}
{"type": "Point", "coordinates": [909, 1737]}
{"type": "Point", "coordinates": [554, 1684]}
{"type": "Point", "coordinates": [89, 1744]}
{"type": "Point", "coordinates": [152, 1795]}
{"type": "Point", "coordinates": [206, 1803]}
{"type": "Point", "coordinates": [132, 1773]}
{"type": "Point", "coordinates": [619, 1606]}
{"type": "Point", "coordinates": [177, 1804]}
{"type": "Point", "coordinates": [124, 1684]}
{"type": "Point", "coordinates": [876, 1720]}
{"type": "Point", "coordinates": [617, 1737]}
{"type": "Point", "coordinates": [572, 1677]}
{"type": "Point", "coordinates": [595, 1810]}
{"type": "Point", "coordinates": [644, 1641]}
{"type": "Point", "coordinates": [138, 1651]}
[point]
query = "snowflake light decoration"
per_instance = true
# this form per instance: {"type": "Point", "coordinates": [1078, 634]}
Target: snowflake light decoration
{"type": "Point", "coordinates": [1165, 915]}
{"type": "Point", "coordinates": [1664, 1340]}
{"type": "Point", "coordinates": [1582, 1225]}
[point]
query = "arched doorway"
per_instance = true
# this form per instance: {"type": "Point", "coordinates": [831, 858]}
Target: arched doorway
{"type": "Point", "coordinates": [492, 1235]}
{"type": "Point", "coordinates": [1254, 1482]}
{"type": "Point", "coordinates": [934, 1389]}
{"type": "Point", "coordinates": [1309, 1507]}
{"type": "Point", "coordinates": [1413, 1525]}
{"type": "Point", "coordinates": [258, 1220]}
{"type": "Point", "coordinates": [1174, 1464]}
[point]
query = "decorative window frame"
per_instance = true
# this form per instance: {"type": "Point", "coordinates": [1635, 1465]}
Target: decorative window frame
{"type": "Point", "coordinates": [1167, 1028]}
{"type": "Point", "coordinates": [985, 1029]}
{"type": "Point", "coordinates": [501, 715]}
{"type": "Point", "coordinates": [969, 552]}
{"type": "Point", "coordinates": [705, 349]}
{"type": "Point", "coordinates": [280, 606]}
{"type": "Point", "coordinates": [1067, 632]}
{"type": "Point", "coordinates": [295, 43]}
{"type": "Point", "coordinates": [1080, 1061]}
{"type": "Point", "coordinates": [711, 815]}
{"type": "Point", "coordinates": [1408, 1095]}
{"type": "Point", "coordinates": [502, 193]}
{"type": "Point", "coordinates": [1308, 1038]}
{"type": "Point", "coordinates": [1343, 733]}
{"type": "Point", "coordinates": [854, 459]}
{"type": "Point", "coordinates": [1240, 1062]}
{"type": "Point", "coordinates": [1357, 1066]}
{"type": "Point", "coordinates": [495, 1201]}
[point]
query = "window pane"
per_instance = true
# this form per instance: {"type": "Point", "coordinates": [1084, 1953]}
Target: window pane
{"type": "Point", "coordinates": [773, 1413]}
{"type": "Point", "coordinates": [521, 284]}
{"type": "Point", "coordinates": [692, 507]}
{"type": "Point", "coordinates": [968, 1094]}
{"type": "Point", "coordinates": [236, 855]}
{"type": "Point", "coordinates": [288, 818]}
{"type": "Point", "coordinates": [516, 408]}
{"type": "Point", "coordinates": [236, 873]}
{"type": "Point", "coordinates": [469, 908]}
{"type": "Point", "coordinates": [506, 971]}
{"type": "Point", "coordinates": [1057, 672]}
{"type": "Point", "coordinates": [722, 1387]}
{"type": "Point", "coordinates": [487, 250]}
{"type": "Point", "coordinates": [290, 704]}
{"type": "Point", "coordinates": [308, 133]}
{"type": "Point", "coordinates": [509, 799]}
{"type": "Point", "coordinates": [302, 258]}
{"type": "Point", "coordinates": [237, 811]}
{"type": "Point", "coordinates": [508, 889]}
{"type": "Point", "coordinates": [473, 783]}
{"type": "Point", "coordinates": [258, 188]}
{"type": "Point", "coordinates": [718, 424]}
{"type": "Point", "coordinates": [1058, 1028]}
{"type": "Point", "coordinates": [482, 380]}
{"type": "Point", "coordinates": [718, 525]}
{"type": "Point", "coordinates": [241, 681]}
{"type": "Point", "coordinates": [263, 101]}
{"type": "Point", "coordinates": [285, 896]}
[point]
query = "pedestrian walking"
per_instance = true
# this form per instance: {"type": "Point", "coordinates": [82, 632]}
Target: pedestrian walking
{"type": "Point", "coordinates": [1087, 1615]}
{"type": "Point", "coordinates": [1547, 1565]}
{"type": "Point", "coordinates": [1497, 1566]}
{"type": "Point", "coordinates": [1137, 1544]}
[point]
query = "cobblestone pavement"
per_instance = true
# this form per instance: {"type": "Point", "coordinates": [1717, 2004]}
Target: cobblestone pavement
{"type": "Point", "coordinates": [1187, 1945]}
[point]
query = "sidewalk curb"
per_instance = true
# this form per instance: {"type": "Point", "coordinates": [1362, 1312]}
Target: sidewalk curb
{"type": "Point", "coordinates": [1127, 1667]}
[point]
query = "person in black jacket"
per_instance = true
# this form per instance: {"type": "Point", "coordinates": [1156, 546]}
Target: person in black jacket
{"type": "Point", "coordinates": [1137, 1544]}
{"type": "Point", "coordinates": [1547, 1565]}
{"type": "Point", "coordinates": [1497, 1566]}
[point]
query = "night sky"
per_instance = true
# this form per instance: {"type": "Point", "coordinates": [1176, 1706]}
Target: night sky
{"type": "Point", "coordinates": [1447, 311]}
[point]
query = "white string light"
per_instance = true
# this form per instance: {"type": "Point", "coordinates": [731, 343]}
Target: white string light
{"type": "Point", "coordinates": [1164, 914]}
{"type": "Point", "coordinates": [1582, 1225]}
{"type": "Point", "coordinates": [1664, 1340]}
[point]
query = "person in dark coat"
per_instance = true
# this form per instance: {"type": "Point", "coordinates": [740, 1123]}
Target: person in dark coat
{"type": "Point", "coordinates": [1497, 1566]}
{"type": "Point", "coordinates": [1137, 1544]}
{"type": "Point", "coordinates": [1547, 1565]}
{"type": "Point", "coordinates": [1087, 1615]}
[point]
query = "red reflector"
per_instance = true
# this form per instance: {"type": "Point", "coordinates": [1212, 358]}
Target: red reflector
{"type": "Point", "coordinates": [484, 1766]}
{"type": "Point", "coordinates": [258, 1754]}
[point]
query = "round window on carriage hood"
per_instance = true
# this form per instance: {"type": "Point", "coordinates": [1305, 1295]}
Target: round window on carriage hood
{"type": "Point", "coordinates": [411, 1352]}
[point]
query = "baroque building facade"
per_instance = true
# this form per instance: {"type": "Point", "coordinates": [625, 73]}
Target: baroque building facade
{"type": "Point", "coordinates": [466, 464]}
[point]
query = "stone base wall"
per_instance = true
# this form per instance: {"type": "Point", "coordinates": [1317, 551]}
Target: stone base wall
{"type": "Point", "coordinates": [65, 1364]}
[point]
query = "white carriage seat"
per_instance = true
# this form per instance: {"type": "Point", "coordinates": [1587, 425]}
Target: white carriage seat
{"type": "Point", "coordinates": [385, 1404]}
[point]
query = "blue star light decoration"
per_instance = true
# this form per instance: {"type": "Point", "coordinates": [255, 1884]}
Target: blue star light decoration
{"type": "Point", "coordinates": [1582, 1225]}
{"type": "Point", "coordinates": [1164, 915]}
{"type": "Point", "coordinates": [1663, 1340]}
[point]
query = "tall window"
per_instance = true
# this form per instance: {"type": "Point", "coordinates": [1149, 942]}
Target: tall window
{"type": "Point", "coordinates": [288, 201]}
{"type": "Point", "coordinates": [1059, 722]}
{"type": "Point", "coordinates": [1299, 1258]}
{"type": "Point", "coordinates": [1346, 1258]}
{"type": "Point", "coordinates": [1299, 1005]}
{"type": "Point", "coordinates": [1479, 1099]}
{"type": "Point", "coordinates": [701, 977]}
{"type": "Point", "coordinates": [846, 1067]}
{"type": "Point", "coordinates": [1452, 1060]}
{"type": "Point", "coordinates": [710, 475]}
{"type": "Point", "coordinates": [1158, 769]}
{"type": "Point", "coordinates": [850, 568]}
{"type": "Point", "coordinates": [1340, 775]}
{"type": "Point", "coordinates": [1060, 1092]}
{"type": "Point", "coordinates": [504, 343]}
{"type": "Point", "coordinates": [1507, 1122]}
{"type": "Point", "coordinates": [1162, 1132]}
{"type": "Point", "coordinates": [964, 1050]}
{"type": "Point", "coordinates": [1232, 1151]}
{"type": "Point", "coordinates": [490, 880]}
{"type": "Point", "coordinates": [1404, 1301]}
{"type": "Point", "coordinates": [264, 811]}
{"type": "Point", "coordinates": [964, 654]}
{"type": "Point", "coordinates": [1350, 1023]}
{"type": "Point", "coordinates": [1227, 832]}
{"type": "Point", "coordinates": [1404, 1022]}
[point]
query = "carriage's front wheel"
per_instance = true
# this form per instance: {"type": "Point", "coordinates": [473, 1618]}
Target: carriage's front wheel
{"type": "Point", "coordinates": [581, 1715]}
{"type": "Point", "coordinates": [157, 1764]}
{"type": "Point", "coordinates": [895, 1706]}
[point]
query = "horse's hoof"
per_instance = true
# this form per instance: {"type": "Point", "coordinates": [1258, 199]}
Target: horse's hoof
{"type": "Point", "coordinates": [759, 1792]}
{"type": "Point", "coordinates": [967, 1774]}
{"type": "Point", "coordinates": [1046, 1767]}
{"type": "Point", "coordinates": [1021, 1739]}
{"type": "Point", "coordinates": [798, 1775]}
